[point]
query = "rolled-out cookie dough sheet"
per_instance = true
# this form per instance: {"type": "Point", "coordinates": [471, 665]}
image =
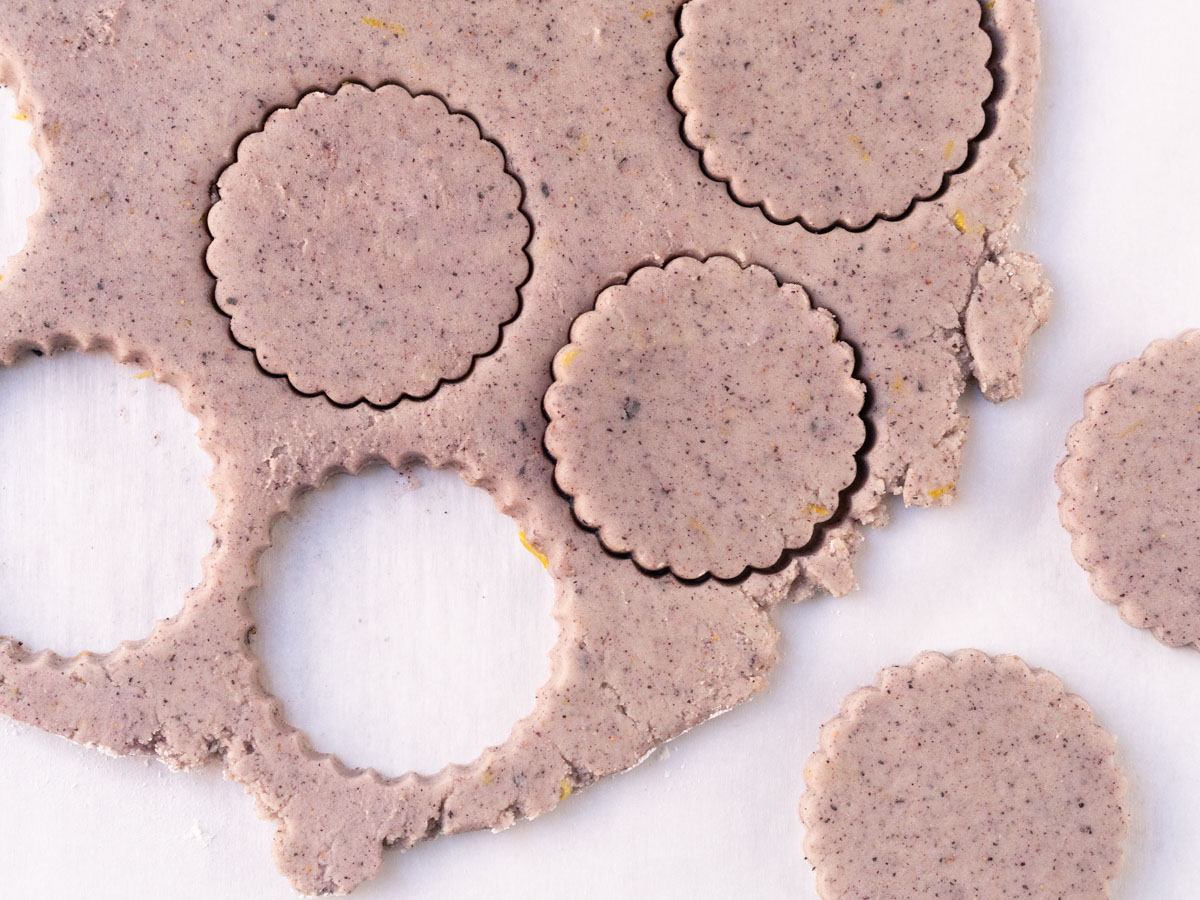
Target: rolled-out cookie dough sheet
{"type": "Point", "coordinates": [717, 816]}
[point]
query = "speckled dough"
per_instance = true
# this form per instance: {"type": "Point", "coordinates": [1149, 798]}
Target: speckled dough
{"type": "Point", "coordinates": [1010, 302]}
{"type": "Point", "coordinates": [964, 776]}
{"type": "Point", "coordinates": [137, 113]}
{"type": "Point", "coordinates": [832, 111]}
{"type": "Point", "coordinates": [1131, 489]}
{"type": "Point", "coordinates": [704, 417]}
{"type": "Point", "coordinates": [374, 221]}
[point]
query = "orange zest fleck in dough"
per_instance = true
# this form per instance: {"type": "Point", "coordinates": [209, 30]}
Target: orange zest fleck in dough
{"type": "Point", "coordinates": [145, 373]}
{"type": "Point", "coordinates": [949, 149]}
{"type": "Point", "coordinates": [528, 545]}
{"type": "Point", "coordinates": [857, 142]}
{"type": "Point", "coordinates": [816, 509]}
{"type": "Point", "coordinates": [960, 222]}
{"type": "Point", "coordinates": [564, 790]}
{"type": "Point", "coordinates": [397, 30]}
{"type": "Point", "coordinates": [1131, 429]}
{"type": "Point", "coordinates": [567, 357]}
{"type": "Point", "coordinates": [942, 491]}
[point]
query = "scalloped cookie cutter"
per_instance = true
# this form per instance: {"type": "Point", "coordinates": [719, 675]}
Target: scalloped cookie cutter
{"type": "Point", "coordinates": [610, 187]}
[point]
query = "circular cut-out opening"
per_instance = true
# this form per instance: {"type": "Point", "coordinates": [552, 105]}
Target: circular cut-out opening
{"type": "Point", "coordinates": [401, 620]}
{"type": "Point", "coordinates": [103, 503]}
{"type": "Point", "coordinates": [19, 165]}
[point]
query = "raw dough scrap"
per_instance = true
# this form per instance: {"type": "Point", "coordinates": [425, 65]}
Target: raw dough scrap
{"type": "Point", "coordinates": [136, 114]}
{"type": "Point", "coordinates": [828, 111]}
{"type": "Point", "coordinates": [704, 417]}
{"type": "Point", "coordinates": [1131, 489]}
{"type": "Point", "coordinates": [964, 776]}
{"type": "Point", "coordinates": [1011, 301]}
{"type": "Point", "coordinates": [368, 244]}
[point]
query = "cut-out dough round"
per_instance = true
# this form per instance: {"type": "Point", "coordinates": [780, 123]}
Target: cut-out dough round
{"type": "Point", "coordinates": [1131, 489]}
{"type": "Point", "coordinates": [964, 773]}
{"type": "Point", "coordinates": [704, 417]}
{"type": "Point", "coordinates": [368, 244]}
{"type": "Point", "coordinates": [834, 111]}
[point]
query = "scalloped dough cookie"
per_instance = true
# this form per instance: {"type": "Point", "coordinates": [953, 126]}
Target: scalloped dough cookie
{"type": "Point", "coordinates": [832, 112]}
{"type": "Point", "coordinates": [1131, 489]}
{"type": "Point", "coordinates": [368, 244]}
{"type": "Point", "coordinates": [964, 776]}
{"type": "Point", "coordinates": [704, 417]}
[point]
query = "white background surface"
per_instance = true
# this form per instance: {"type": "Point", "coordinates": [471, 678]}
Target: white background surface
{"type": "Point", "coordinates": [1112, 214]}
